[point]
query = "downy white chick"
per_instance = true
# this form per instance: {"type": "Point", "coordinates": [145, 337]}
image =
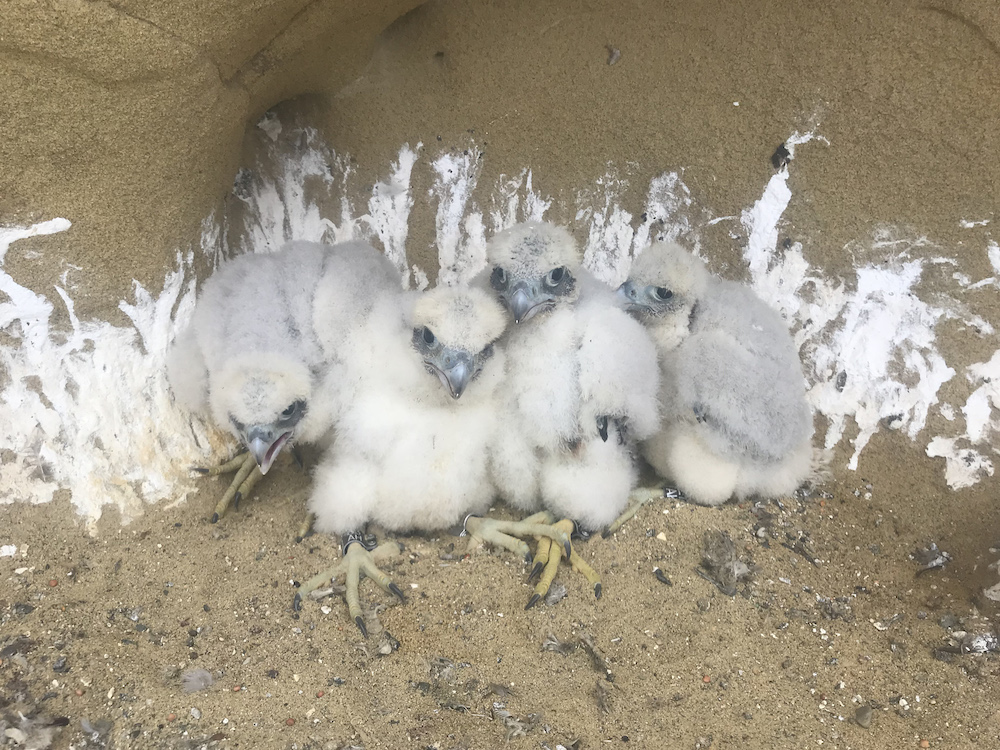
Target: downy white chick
{"type": "Point", "coordinates": [263, 352]}
{"type": "Point", "coordinates": [736, 421]}
{"type": "Point", "coordinates": [410, 451]}
{"type": "Point", "coordinates": [581, 388]}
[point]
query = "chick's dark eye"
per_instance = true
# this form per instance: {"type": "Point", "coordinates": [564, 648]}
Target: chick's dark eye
{"type": "Point", "coordinates": [556, 275]}
{"type": "Point", "coordinates": [662, 293]}
{"type": "Point", "coordinates": [498, 279]}
{"type": "Point", "coordinates": [428, 336]}
{"type": "Point", "coordinates": [292, 408]}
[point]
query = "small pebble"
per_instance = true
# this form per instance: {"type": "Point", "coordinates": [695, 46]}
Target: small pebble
{"type": "Point", "coordinates": [195, 713]}
{"type": "Point", "coordinates": [237, 688]}
{"type": "Point", "coordinates": [53, 582]}
{"type": "Point", "coordinates": [289, 722]}
{"type": "Point", "coordinates": [78, 691]}
{"type": "Point", "coordinates": [863, 716]}
{"type": "Point", "coordinates": [706, 679]}
{"type": "Point", "coordinates": [925, 743]}
{"type": "Point", "coordinates": [320, 693]}
{"type": "Point", "coordinates": [171, 717]}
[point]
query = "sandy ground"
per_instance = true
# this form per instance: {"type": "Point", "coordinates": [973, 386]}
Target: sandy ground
{"type": "Point", "coordinates": [98, 629]}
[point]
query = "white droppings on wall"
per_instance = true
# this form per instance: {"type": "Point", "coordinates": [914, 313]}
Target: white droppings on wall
{"type": "Point", "coordinates": [868, 343]}
{"type": "Point", "coordinates": [514, 200]}
{"type": "Point", "coordinates": [390, 205]}
{"type": "Point", "coordinates": [276, 193]}
{"type": "Point", "coordinates": [88, 408]}
{"type": "Point", "coordinates": [966, 455]}
{"type": "Point", "coordinates": [667, 213]}
{"type": "Point", "coordinates": [607, 252]}
{"type": "Point", "coordinates": [461, 237]}
{"type": "Point", "coordinates": [880, 365]}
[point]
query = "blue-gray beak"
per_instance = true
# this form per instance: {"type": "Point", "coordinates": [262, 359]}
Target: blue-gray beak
{"type": "Point", "coordinates": [265, 442]}
{"type": "Point", "coordinates": [454, 372]}
{"type": "Point", "coordinates": [525, 301]}
{"type": "Point", "coordinates": [520, 303]}
{"type": "Point", "coordinates": [628, 297]}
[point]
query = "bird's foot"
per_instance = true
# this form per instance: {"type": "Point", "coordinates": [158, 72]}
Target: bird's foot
{"type": "Point", "coordinates": [553, 544]}
{"type": "Point", "coordinates": [507, 534]}
{"type": "Point", "coordinates": [246, 478]}
{"type": "Point", "coordinates": [358, 559]}
{"type": "Point", "coordinates": [546, 563]}
{"type": "Point", "coordinates": [638, 498]}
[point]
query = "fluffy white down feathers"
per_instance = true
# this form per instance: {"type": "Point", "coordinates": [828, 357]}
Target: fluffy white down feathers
{"type": "Point", "coordinates": [710, 382]}
{"type": "Point", "coordinates": [581, 360]}
{"type": "Point", "coordinates": [268, 329]}
{"type": "Point", "coordinates": [735, 417]}
{"type": "Point", "coordinates": [408, 455]}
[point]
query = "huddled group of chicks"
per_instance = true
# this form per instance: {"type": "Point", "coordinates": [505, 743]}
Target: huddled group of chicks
{"type": "Point", "coordinates": [535, 383]}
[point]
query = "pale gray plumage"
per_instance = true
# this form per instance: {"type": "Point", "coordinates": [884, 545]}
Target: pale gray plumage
{"type": "Point", "coordinates": [411, 440]}
{"type": "Point", "coordinates": [735, 417]}
{"type": "Point", "coordinates": [263, 352]}
{"type": "Point", "coordinates": [581, 382]}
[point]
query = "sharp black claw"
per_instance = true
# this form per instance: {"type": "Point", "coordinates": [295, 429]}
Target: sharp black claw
{"type": "Point", "coordinates": [199, 469]}
{"type": "Point", "coordinates": [602, 428]}
{"type": "Point", "coordinates": [215, 518]}
{"type": "Point", "coordinates": [532, 601]}
{"type": "Point", "coordinates": [535, 570]}
{"type": "Point", "coordinates": [236, 500]}
{"type": "Point", "coordinates": [297, 602]}
{"type": "Point", "coordinates": [569, 549]}
{"type": "Point", "coordinates": [605, 532]}
{"type": "Point", "coordinates": [597, 591]}
{"type": "Point", "coordinates": [361, 625]}
{"type": "Point", "coordinates": [528, 558]}
{"type": "Point", "coordinates": [395, 589]}
{"type": "Point", "coordinates": [298, 540]}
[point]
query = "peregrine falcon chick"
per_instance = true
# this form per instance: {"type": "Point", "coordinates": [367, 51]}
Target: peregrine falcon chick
{"type": "Point", "coordinates": [410, 451]}
{"type": "Point", "coordinates": [580, 390]}
{"type": "Point", "coordinates": [264, 350]}
{"type": "Point", "coordinates": [736, 421]}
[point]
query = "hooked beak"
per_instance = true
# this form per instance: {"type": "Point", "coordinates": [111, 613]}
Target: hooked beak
{"type": "Point", "coordinates": [265, 442]}
{"type": "Point", "coordinates": [524, 306]}
{"type": "Point", "coordinates": [628, 297]}
{"type": "Point", "coordinates": [456, 377]}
